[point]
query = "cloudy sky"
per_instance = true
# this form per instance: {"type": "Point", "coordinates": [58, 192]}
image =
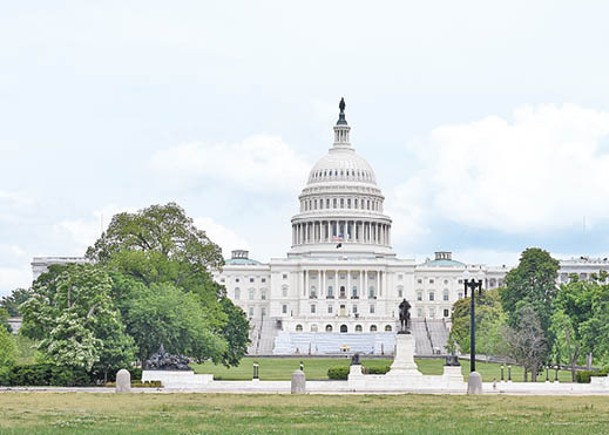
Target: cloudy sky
{"type": "Point", "coordinates": [487, 122]}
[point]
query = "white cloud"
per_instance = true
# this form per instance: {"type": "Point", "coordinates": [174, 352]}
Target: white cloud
{"type": "Point", "coordinates": [226, 238]}
{"type": "Point", "coordinates": [541, 171]}
{"type": "Point", "coordinates": [11, 278]}
{"type": "Point", "coordinates": [259, 163]}
{"type": "Point", "coordinates": [84, 232]}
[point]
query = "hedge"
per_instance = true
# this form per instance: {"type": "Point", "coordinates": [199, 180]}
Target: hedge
{"type": "Point", "coordinates": [43, 375]}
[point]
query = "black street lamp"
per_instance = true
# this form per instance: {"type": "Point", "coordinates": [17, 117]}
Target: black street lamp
{"type": "Point", "coordinates": [472, 284]}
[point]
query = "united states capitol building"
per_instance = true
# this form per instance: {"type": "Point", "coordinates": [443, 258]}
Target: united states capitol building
{"type": "Point", "coordinates": [338, 288]}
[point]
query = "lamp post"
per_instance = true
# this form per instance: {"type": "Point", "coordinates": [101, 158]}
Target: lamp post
{"type": "Point", "coordinates": [472, 284]}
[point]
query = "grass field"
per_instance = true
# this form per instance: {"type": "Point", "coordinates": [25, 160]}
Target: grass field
{"type": "Point", "coordinates": [66, 413]}
{"type": "Point", "coordinates": [281, 369]}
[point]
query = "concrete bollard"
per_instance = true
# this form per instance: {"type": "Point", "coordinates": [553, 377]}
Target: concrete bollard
{"type": "Point", "coordinates": [298, 382]}
{"type": "Point", "coordinates": [474, 383]}
{"type": "Point", "coordinates": [123, 381]}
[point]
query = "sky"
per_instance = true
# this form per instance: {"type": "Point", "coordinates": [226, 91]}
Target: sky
{"type": "Point", "coordinates": [487, 123]}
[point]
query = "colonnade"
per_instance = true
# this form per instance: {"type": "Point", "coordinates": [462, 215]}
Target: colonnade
{"type": "Point", "coordinates": [329, 231]}
{"type": "Point", "coordinates": [316, 283]}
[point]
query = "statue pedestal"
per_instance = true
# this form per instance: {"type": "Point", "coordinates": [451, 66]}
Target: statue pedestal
{"type": "Point", "coordinates": [403, 363]}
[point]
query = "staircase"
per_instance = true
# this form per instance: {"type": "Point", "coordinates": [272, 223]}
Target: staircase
{"type": "Point", "coordinates": [430, 336]}
{"type": "Point", "coordinates": [423, 345]}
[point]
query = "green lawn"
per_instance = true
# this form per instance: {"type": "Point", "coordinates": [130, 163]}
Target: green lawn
{"type": "Point", "coordinates": [84, 413]}
{"type": "Point", "coordinates": [278, 369]}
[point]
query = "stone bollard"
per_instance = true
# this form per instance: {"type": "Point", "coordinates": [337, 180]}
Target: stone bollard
{"type": "Point", "coordinates": [474, 383]}
{"type": "Point", "coordinates": [298, 382]}
{"type": "Point", "coordinates": [123, 381]}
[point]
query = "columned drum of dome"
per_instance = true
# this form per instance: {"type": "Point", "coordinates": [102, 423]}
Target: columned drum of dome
{"type": "Point", "coordinates": [341, 207]}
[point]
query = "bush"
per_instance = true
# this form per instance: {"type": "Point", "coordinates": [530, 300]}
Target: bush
{"type": "Point", "coordinates": [139, 384]}
{"type": "Point", "coordinates": [338, 373]}
{"type": "Point", "coordinates": [583, 376]}
{"type": "Point", "coordinates": [376, 370]}
{"type": "Point", "coordinates": [43, 375]}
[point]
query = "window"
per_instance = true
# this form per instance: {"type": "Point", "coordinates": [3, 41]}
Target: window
{"type": "Point", "coordinates": [252, 293]}
{"type": "Point", "coordinates": [349, 203]}
{"type": "Point", "coordinates": [373, 328]}
{"type": "Point", "coordinates": [419, 296]}
{"type": "Point", "coordinates": [354, 309]}
{"type": "Point", "coordinates": [222, 279]}
{"type": "Point", "coordinates": [432, 313]}
{"type": "Point", "coordinates": [237, 293]}
{"type": "Point", "coordinates": [313, 309]}
{"type": "Point", "coordinates": [313, 292]}
{"type": "Point", "coordinates": [372, 309]}
{"type": "Point", "coordinates": [460, 295]}
{"type": "Point", "coordinates": [251, 279]}
{"type": "Point", "coordinates": [445, 295]}
{"type": "Point", "coordinates": [460, 281]}
{"type": "Point", "coordinates": [262, 279]}
{"type": "Point", "coordinates": [388, 328]}
{"type": "Point", "coordinates": [446, 312]}
{"type": "Point", "coordinates": [431, 281]}
{"type": "Point", "coordinates": [371, 294]}
{"type": "Point", "coordinates": [328, 328]}
{"type": "Point", "coordinates": [314, 327]}
{"type": "Point", "coordinates": [284, 290]}
{"type": "Point", "coordinates": [284, 309]}
{"type": "Point", "coordinates": [445, 281]}
{"type": "Point", "coordinates": [342, 203]}
{"type": "Point", "coordinates": [330, 309]}
{"type": "Point", "coordinates": [432, 296]}
{"type": "Point", "coordinates": [236, 279]}
{"type": "Point", "coordinates": [298, 328]}
{"type": "Point", "coordinates": [263, 294]}
{"type": "Point", "coordinates": [251, 311]}
{"type": "Point", "coordinates": [263, 311]}
{"type": "Point", "coordinates": [285, 276]}
{"type": "Point", "coordinates": [400, 291]}
{"type": "Point", "coordinates": [354, 292]}
{"type": "Point", "coordinates": [330, 292]}
{"type": "Point", "coordinates": [400, 277]}
{"type": "Point", "coordinates": [419, 312]}
{"type": "Point", "coordinates": [343, 328]}
{"type": "Point", "coordinates": [420, 281]}
{"type": "Point", "coordinates": [358, 328]}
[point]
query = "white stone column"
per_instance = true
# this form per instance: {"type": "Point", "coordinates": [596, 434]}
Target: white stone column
{"type": "Point", "coordinates": [349, 283]}
{"type": "Point", "coordinates": [322, 280]}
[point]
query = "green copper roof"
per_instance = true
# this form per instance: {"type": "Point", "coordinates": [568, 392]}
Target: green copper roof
{"type": "Point", "coordinates": [241, 262]}
{"type": "Point", "coordinates": [443, 263]}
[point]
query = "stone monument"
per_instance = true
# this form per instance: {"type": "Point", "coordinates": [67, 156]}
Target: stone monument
{"type": "Point", "coordinates": [123, 381]}
{"type": "Point", "coordinates": [298, 382]}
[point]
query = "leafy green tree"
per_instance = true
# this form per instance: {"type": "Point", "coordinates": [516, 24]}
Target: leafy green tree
{"type": "Point", "coordinates": [567, 343]}
{"type": "Point", "coordinates": [161, 228]}
{"type": "Point", "coordinates": [8, 351]}
{"type": "Point", "coordinates": [236, 331]}
{"type": "Point", "coordinates": [490, 321]}
{"type": "Point", "coordinates": [73, 316]}
{"type": "Point", "coordinates": [4, 320]}
{"type": "Point", "coordinates": [164, 314]}
{"type": "Point", "coordinates": [533, 284]}
{"type": "Point", "coordinates": [12, 302]}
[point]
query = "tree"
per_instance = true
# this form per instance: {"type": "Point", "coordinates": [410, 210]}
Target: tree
{"type": "Point", "coordinates": [7, 348]}
{"type": "Point", "coordinates": [532, 283]}
{"type": "Point", "coordinates": [490, 321]}
{"type": "Point", "coordinates": [160, 228]}
{"type": "Point", "coordinates": [526, 341]}
{"type": "Point", "coordinates": [12, 302]}
{"type": "Point", "coordinates": [236, 331]}
{"type": "Point", "coordinates": [164, 315]}
{"type": "Point", "coordinates": [567, 343]}
{"type": "Point", "coordinates": [71, 312]}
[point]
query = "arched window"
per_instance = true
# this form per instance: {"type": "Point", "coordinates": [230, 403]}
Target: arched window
{"type": "Point", "coordinates": [445, 295]}
{"type": "Point", "coordinates": [388, 328]}
{"type": "Point", "coordinates": [284, 290]}
{"type": "Point", "coordinates": [373, 328]}
{"type": "Point", "coordinates": [237, 293]}
{"type": "Point", "coordinates": [298, 328]}
{"type": "Point", "coordinates": [358, 328]}
{"type": "Point", "coordinates": [314, 327]}
{"type": "Point", "coordinates": [328, 328]}
{"type": "Point", "coordinates": [343, 328]}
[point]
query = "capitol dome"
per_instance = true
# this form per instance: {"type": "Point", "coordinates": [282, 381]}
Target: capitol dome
{"type": "Point", "coordinates": [341, 206]}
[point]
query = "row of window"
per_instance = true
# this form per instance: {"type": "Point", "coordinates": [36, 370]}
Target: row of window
{"type": "Point", "coordinates": [262, 280]}
{"type": "Point", "coordinates": [336, 203]}
{"type": "Point", "coordinates": [431, 295]}
{"type": "Point", "coordinates": [358, 173]}
{"type": "Point", "coordinates": [343, 328]}
{"type": "Point", "coordinates": [251, 293]}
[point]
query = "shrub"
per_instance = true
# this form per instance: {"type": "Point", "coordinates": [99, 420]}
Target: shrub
{"type": "Point", "coordinates": [338, 373]}
{"type": "Point", "coordinates": [139, 384]}
{"type": "Point", "coordinates": [376, 370]}
{"type": "Point", "coordinates": [583, 376]}
{"type": "Point", "coordinates": [45, 375]}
